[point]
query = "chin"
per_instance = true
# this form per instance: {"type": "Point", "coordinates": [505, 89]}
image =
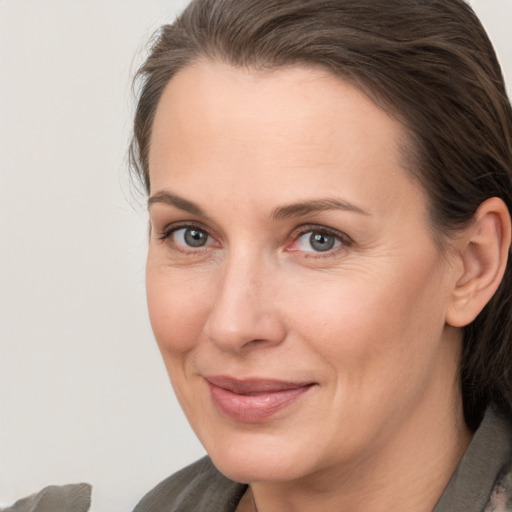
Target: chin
{"type": "Point", "coordinates": [262, 459]}
{"type": "Point", "coordinates": [245, 469]}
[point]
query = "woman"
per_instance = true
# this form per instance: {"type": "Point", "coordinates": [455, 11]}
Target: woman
{"type": "Point", "coordinates": [329, 188]}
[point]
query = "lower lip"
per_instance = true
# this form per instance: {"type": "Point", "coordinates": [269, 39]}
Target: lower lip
{"type": "Point", "coordinates": [254, 408]}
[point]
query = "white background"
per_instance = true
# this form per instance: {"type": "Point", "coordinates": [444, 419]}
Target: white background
{"type": "Point", "coordinates": [83, 394]}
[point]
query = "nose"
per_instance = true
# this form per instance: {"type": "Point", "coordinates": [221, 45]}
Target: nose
{"type": "Point", "coordinates": [245, 312]}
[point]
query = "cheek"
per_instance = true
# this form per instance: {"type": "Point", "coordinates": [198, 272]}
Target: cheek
{"type": "Point", "coordinates": [373, 318]}
{"type": "Point", "coordinates": [341, 325]}
{"type": "Point", "coordinates": [177, 308]}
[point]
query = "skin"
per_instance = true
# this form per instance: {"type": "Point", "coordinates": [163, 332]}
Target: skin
{"type": "Point", "coordinates": [366, 321]}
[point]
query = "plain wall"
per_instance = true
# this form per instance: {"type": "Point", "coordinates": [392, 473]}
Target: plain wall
{"type": "Point", "coordinates": [83, 393]}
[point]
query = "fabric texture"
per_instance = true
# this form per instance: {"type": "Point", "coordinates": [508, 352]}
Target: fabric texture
{"type": "Point", "coordinates": [65, 498]}
{"type": "Point", "coordinates": [482, 481]}
{"type": "Point", "coordinates": [196, 488]}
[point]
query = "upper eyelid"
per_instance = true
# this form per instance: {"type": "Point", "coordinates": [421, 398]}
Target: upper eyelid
{"type": "Point", "coordinates": [302, 230]}
{"type": "Point", "coordinates": [175, 226]}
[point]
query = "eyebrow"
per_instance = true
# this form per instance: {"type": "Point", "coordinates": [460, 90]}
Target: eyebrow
{"type": "Point", "coordinates": [281, 212]}
{"type": "Point", "coordinates": [317, 205]}
{"type": "Point", "coordinates": [165, 197]}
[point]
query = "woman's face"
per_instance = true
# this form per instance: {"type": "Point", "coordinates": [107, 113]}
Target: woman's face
{"type": "Point", "coordinates": [294, 288]}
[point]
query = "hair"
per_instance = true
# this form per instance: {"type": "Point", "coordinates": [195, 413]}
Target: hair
{"type": "Point", "coordinates": [430, 64]}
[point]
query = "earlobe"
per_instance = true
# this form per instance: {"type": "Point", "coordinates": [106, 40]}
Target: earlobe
{"type": "Point", "coordinates": [483, 254]}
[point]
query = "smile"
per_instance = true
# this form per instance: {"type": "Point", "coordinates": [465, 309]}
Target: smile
{"type": "Point", "coordinates": [253, 400]}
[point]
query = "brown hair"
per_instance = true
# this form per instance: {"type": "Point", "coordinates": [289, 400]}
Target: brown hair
{"type": "Point", "coordinates": [430, 64]}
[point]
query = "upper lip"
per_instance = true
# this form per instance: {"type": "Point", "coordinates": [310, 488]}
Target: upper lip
{"type": "Point", "coordinates": [254, 385]}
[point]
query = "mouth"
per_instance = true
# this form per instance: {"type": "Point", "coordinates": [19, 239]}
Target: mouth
{"type": "Point", "coordinates": [254, 400]}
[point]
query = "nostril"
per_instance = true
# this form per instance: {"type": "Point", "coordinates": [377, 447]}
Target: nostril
{"type": "Point", "coordinates": [258, 341]}
{"type": "Point", "coordinates": [248, 331]}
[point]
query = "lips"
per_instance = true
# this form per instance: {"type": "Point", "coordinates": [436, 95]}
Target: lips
{"type": "Point", "coordinates": [254, 400]}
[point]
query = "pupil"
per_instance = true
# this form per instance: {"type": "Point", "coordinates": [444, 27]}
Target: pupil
{"type": "Point", "coordinates": [321, 242]}
{"type": "Point", "coordinates": [195, 237]}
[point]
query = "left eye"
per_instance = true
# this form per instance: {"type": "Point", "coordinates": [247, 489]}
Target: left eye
{"type": "Point", "coordinates": [317, 241]}
{"type": "Point", "coordinates": [191, 237]}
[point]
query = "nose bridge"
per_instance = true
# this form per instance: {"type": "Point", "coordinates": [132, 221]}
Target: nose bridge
{"type": "Point", "coordinates": [243, 311]}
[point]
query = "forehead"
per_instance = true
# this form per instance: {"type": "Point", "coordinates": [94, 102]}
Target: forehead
{"type": "Point", "coordinates": [242, 127]}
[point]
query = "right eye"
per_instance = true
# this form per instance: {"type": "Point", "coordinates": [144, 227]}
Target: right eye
{"type": "Point", "coordinates": [190, 237]}
{"type": "Point", "coordinates": [187, 238]}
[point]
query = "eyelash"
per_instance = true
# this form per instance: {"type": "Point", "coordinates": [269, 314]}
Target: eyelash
{"type": "Point", "coordinates": [344, 240]}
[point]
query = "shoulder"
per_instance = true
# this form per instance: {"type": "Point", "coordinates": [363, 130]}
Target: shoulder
{"type": "Point", "coordinates": [500, 499]}
{"type": "Point", "coordinates": [501, 496]}
{"type": "Point", "coordinates": [54, 498]}
{"type": "Point", "coordinates": [196, 488]}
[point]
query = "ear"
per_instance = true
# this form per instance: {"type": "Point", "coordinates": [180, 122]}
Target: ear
{"type": "Point", "coordinates": [483, 253]}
